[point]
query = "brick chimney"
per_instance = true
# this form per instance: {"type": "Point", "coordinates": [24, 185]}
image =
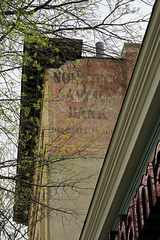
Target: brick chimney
{"type": "Point", "coordinates": [130, 53]}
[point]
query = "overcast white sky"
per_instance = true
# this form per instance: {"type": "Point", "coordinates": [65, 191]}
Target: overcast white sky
{"type": "Point", "coordinates": [145, 8]}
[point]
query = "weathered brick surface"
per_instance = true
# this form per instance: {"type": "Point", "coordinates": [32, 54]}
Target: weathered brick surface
{"type": "Point", "coordinates": [91, 89]}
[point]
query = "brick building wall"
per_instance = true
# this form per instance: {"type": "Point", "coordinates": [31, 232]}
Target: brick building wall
{"type": "Point", "coordinates": [82, 100]}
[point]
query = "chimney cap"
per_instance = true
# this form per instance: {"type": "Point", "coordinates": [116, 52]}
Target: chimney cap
{"type": "Point", "coordinates": [100, 49]}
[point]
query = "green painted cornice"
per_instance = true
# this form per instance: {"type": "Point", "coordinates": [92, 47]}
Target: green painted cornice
{"type": "Point", "coordinates": [134, 127]}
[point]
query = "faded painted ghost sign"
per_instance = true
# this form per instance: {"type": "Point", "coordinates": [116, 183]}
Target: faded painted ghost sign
{"type": "Point", "coordinates": [91, 91]}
